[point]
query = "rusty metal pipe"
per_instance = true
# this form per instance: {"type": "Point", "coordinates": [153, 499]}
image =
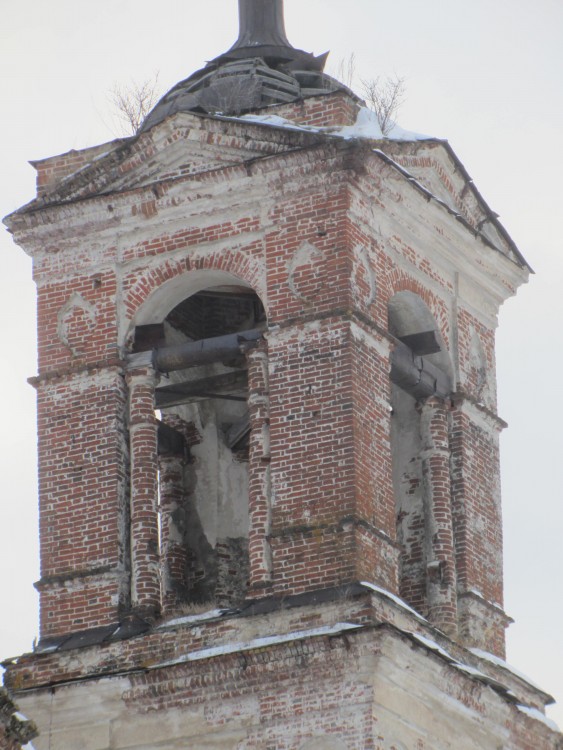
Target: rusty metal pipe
{"type": "Point", "coordinates": [205, 351]}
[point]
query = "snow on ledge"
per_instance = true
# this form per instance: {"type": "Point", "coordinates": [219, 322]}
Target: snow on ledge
{"type": "Point", "coordinates": [498, 662]}
{"type": "Point", "coordinates": [465, 668]}
{"type": "Point", "coordinates": [366, 126]}
{"type": "Point", "coordinates": [400, 602]}
{"type": "Point", "coordinates": [277, 122]}
{"type": "Point", "coordinates": [534, 713]}
{"type": "Point", "coordinates": [272, 640]}
{"type": "Point", "coordinates": [212, 614]}
{"type": "Point", "coordinates": [433, 646]}
{"type": "Point", "coordinates": [478, 593]}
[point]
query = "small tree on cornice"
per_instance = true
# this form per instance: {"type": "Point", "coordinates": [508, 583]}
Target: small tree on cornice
{"type": "Point", "coordinates": [133, 102]}
{"type": "Point", "coordinates": [384, 95]}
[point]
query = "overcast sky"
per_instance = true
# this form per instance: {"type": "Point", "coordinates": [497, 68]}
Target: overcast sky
{"type": "Point", "coordinates": [486, 74]}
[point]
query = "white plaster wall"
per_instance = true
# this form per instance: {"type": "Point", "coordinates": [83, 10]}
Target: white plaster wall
{"type": "Point", "coordinates": [220, 481]}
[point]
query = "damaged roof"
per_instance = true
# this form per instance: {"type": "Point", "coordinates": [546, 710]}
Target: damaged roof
{"type": "Point", "coordinates": [260, 69]}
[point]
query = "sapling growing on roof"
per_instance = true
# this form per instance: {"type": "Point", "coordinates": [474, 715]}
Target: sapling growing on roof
{"type": "Point", "coordinates": [132, 102]}
{"type": "Point", "coordinates": [384, 95]}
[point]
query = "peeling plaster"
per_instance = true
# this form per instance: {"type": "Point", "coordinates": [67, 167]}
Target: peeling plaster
{"type": "Point", "coordinates": [69, 325]}
{"type": "Point", "coordinates": [308, 256]}
{"type": "Point", "coordinates": [362, 265]}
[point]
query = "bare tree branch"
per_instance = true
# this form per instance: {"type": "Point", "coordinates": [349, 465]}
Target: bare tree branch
{"type": "Point", "coordinates": [133, 102]}
{"type": "Point", "coordinates": [384, 97]}
{"type": "Point", "coordinates": [384, 94]}
{"type": "Point", "coordinates": [346, 70]}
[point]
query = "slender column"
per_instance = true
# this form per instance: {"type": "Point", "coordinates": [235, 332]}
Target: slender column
{"type": "Point", "coordinates": [440, 551]}
{"type": "Point", "coordinates": [259, 469]}
{"type": "Point", "coordinates": [145, 578]}
{"type": "Point", "coordinates": [172, 546]}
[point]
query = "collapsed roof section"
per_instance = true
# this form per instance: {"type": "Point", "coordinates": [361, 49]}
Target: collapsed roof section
{"type": "Point", "coordinates": [261, 69]}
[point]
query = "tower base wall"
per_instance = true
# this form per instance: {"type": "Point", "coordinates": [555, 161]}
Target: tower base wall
{"type": "Point", "coordinates": [360, 672]}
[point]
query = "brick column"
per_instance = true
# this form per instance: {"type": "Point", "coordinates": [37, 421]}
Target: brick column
{"type": "Point", "coordinates": [145, 574]}
{"type": "Point", "coordinates": [172, 544]}
{"type": "Point", "coordinates": [474, 441]}
{"type": "Point", "coordinates": [259, 484]}
{"type": "Point", "coordinates": [440, 551]}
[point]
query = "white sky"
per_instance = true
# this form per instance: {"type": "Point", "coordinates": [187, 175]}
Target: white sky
{"type": "Point", "coordinates": [486, 74]}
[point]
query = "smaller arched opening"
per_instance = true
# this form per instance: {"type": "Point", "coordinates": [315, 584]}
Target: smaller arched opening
{"type": "Point", "coordinates": [200, 349]}
{"type": "Point", "coordinates": [421, 375]}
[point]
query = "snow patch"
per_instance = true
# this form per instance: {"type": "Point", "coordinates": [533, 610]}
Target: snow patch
{"type": "Point", "coordinates": [534, 713]}
{"type": "Point", "coordinates": [433, 646]}
{"type": "Point", "coordinates": [465, 668]}
{"type": "Point", "coordinates": [476, 592]}
{"type": "Point", "coordinates": [393, 598]}
{"type": "Point", "coordinates": [366, 126]}
{"type": "Point", "coordinates": [272, 640]}
{"type": "Point", "coordinates": [212, 614]}
{"type": "Point", "coordinates": [497, 661]}
{"type": "Point", "coordinates": [278, 122]}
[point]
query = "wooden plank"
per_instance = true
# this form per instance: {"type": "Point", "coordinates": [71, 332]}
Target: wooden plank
{"type": "Point", "coordinates": [227, 385]}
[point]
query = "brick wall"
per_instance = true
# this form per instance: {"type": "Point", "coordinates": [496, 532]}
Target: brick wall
{"type": "Point", "coordinates": [374, 688]}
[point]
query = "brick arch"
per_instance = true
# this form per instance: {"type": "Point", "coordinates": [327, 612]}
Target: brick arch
{"type": "Point", "coordinates": [398, 281]}
{"type": "Point", "coordinates": [156, 290]}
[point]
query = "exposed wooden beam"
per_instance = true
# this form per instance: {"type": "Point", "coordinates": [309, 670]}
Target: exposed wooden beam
{"type": "Point", "coordinates": [225, 386]}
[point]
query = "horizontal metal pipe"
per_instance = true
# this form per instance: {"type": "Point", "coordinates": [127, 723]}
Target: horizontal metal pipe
{"type": "Point", "coordinates": [205, 351]}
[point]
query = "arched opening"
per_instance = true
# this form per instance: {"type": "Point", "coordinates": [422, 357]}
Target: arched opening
{"type": "Point", "coordinates": [421, 376]}
{"type": "Point", "coordinates": [412, 323]}
{"type": "Point", "coordinates": [200, 350]}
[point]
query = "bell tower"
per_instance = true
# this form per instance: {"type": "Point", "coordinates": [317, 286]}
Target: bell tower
{"type": "Point", "coordinates": [268, 435]}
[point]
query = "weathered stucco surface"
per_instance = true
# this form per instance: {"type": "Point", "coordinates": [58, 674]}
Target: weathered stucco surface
{"type": "Point", "coordinates": [370, 689]}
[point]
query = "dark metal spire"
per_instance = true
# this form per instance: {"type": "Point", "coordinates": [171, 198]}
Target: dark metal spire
{"type": "Point", "coordinates": [262, 34]}
{"type": "Point", "coordinates": [261, 69]}
{"type": "Point", "coordinates": [261, 24]}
